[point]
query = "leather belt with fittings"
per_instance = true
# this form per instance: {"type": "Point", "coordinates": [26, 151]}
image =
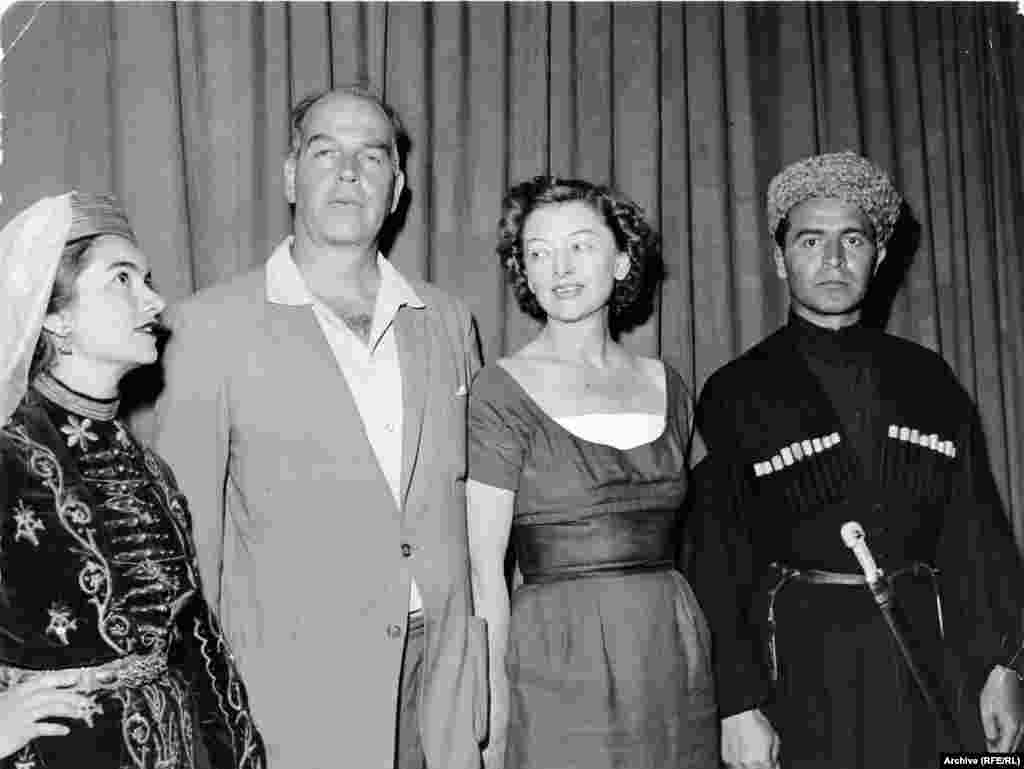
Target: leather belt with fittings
{"type": "Point", "coordinates": [788, 574]}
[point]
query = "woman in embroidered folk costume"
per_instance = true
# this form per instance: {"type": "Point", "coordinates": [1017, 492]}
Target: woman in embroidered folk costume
{"type": "Point", "coordinates": [578, 451]}
{"type": "Point", "coordinates": [109, 656]}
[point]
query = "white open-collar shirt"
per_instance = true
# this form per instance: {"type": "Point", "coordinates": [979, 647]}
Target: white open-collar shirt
{"type": "Point", "coordinates": [372, 371]}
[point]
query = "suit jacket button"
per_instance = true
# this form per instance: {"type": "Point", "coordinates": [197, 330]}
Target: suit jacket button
{"type": "Point", "coordinates": [406, 549]}
{"type": "Point", "coordinates": [394, 631]}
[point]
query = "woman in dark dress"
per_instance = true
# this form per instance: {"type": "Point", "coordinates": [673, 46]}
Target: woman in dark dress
{"type": "Point", "coordinates": [578, 449]}
{"type": "Point", "coordinates": [109, 657]}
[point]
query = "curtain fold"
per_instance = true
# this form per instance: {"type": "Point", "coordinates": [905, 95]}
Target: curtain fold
{"type": "Point", "coordinates": [689, 108]}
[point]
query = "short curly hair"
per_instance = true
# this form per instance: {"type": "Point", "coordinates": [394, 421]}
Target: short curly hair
{"type": "Point", "coordinates": [632, 297]}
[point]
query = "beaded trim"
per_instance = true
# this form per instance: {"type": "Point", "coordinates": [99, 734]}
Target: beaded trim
{"type": "Point", "coordinates": [72, 400]}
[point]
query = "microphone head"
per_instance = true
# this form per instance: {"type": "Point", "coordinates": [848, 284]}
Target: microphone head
{"type": "Point", "coordinates": [852, 533]}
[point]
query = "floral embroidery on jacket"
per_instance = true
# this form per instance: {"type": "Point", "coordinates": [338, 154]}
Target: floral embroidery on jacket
{"type": "Point", "coordinates": [76, 519]}
{"type": "Point", "coordinates": [28, 524]}
{"type": "Point", "coordinates": [61, 623]}
{"type": "Point", "coordinates": [78, 432]}
{"type": "Point", "coordinates": [157, 742]}
{"type": "Point", "coordinates": [26, 758]}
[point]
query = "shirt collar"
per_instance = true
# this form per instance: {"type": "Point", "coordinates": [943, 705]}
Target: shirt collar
{"type": "Point", "coordinates": [285, 284]}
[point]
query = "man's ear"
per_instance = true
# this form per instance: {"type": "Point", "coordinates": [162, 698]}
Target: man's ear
{"type": "Point", "coordinates": [879, 257]}
{"type": "Point", "coordinates": [399, 187]}
{"type": "Point", "coordinates": [780, 264]}
{"type": "Point", "coordinates": [289, 178]}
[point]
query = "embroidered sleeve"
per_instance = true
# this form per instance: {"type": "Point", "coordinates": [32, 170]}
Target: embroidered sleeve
{"type": "Point", "coordinates": [225, 722]}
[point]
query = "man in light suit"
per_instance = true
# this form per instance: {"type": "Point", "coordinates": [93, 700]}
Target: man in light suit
{"type": "Point", "coordinates": [314, 413]}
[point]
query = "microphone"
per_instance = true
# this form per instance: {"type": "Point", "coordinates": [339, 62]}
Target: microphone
{"type": "Point", "coordinates": [855, 539]}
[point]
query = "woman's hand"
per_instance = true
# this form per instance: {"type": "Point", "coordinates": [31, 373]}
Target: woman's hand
{"type": "Point", "coordinates": [46, 696]}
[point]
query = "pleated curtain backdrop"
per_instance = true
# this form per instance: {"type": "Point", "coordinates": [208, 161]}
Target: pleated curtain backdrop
{"type": "Point", "coordinates": [182, 109]}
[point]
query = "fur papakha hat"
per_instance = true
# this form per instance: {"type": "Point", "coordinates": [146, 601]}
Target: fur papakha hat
{"type": "Point", "coordinates": [843, 175]}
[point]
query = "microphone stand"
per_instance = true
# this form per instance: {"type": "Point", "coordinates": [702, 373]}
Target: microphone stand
{"type": "Point", "coordinates": [884, 593]}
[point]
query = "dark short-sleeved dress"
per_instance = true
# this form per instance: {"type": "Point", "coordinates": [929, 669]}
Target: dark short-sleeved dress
{"type": "Point", "coordinates": [608, 652]}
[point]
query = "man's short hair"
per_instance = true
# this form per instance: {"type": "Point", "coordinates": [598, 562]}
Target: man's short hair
{"type": "Point", "coordinates": [400, 139]}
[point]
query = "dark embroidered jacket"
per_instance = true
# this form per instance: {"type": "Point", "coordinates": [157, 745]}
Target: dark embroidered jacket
{"type": "Point", "coordinates": [97, 565]}
{"type": "Point", "coordinates": [903, 454]}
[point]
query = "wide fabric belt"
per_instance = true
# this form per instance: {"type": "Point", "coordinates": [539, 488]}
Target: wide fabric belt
{"type": "Point", "coordinates": [124, 672]}
{"type": "Point", "coordinates": [597, 570]}
{"type": "Point", "coordinates": [788, 574]}
{"type": "Point", "coordinates": [612, 543]}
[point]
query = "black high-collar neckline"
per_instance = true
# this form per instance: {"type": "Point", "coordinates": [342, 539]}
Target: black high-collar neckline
{"type": "Point", "coordinates": [844, 345]}
{"type": "Point", "coordinates": [54, 390]}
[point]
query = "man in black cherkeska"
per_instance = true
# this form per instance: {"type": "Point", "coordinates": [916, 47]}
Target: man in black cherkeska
{"type": "Point", "coordinates": [824, 422]}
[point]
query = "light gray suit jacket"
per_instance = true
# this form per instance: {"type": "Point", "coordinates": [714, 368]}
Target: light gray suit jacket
{"type": "Point", "coordinates": [300, 543]}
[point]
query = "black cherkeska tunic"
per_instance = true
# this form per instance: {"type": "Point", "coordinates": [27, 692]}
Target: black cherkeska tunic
{"type": "Point", "coordinates": [98, 569]}
{"type": "Point", "coordinates": [810, 429]}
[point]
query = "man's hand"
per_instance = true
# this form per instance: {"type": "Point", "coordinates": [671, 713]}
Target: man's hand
{"type": "Point", "coordinates": [1002, 710]}
{"type": "Point", "coordinates": [749, 741]}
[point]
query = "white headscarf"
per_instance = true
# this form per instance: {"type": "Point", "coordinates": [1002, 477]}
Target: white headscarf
{"type": "Point", "coordinates": [30, 249]}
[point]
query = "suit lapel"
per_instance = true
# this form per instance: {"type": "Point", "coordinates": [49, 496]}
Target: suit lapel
{"type": "Point", "coordinates": [302, 344]}
{"type": "Point", "coordinates": [412, 336]}
{"type": "Point", "coordinates": [305, 354]}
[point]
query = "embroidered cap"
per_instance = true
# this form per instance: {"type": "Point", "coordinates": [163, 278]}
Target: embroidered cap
{"type": "Point", "coordinates": [843, 175]}
{"type": "Point", "coordinates": [98, 214]}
